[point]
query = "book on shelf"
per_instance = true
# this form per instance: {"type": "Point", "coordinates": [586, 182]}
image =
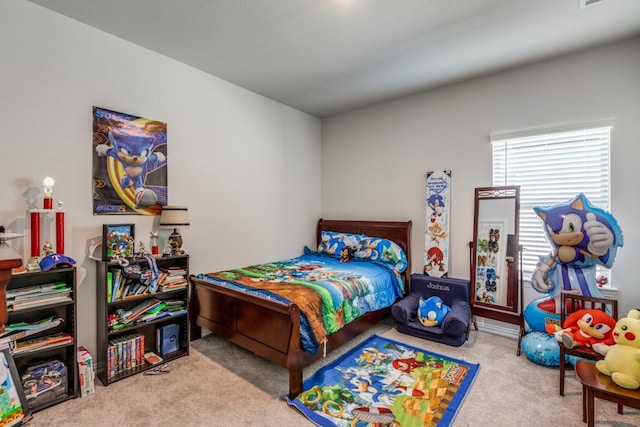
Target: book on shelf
{"type": "Point", "coordinates": [109, 285]}
{"type": "Point", "coordinates": [33, 296]}
{"type": "Point", "coordinates": [125, 353]}
{"type": "Point", "coordinates": [140, 309]}
{"type": "Point", "coordinates": [14, 305]}
{"type": "Point", "coordinates": [174, 271]}
{"type": "Point", "coordinates": [116, 277]}
{"type": "Point", "coordinates": [19, 330]}
{"type": "Point", "coordinates": [168, 338]}
{"type": "Point", "coordinates": [18, 347]}
{"type": "Point", "coordinates": [171, 279]}
{"type": "Point", "coordinates": [36, 290]}
{"type": "Point", "coordinates": [173, 287]}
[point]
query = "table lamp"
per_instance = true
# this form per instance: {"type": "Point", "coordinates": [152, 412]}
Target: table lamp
{"type": "Point", "coordinates": [9, 259]}
{"type": "Point", "coordinates": [174, 217]}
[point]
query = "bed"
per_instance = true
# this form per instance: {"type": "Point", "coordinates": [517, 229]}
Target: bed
{"type": "Point", "coordinates": [271, 327]}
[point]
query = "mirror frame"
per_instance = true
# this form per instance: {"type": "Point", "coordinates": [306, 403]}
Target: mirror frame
{"type": "Point", "coordinates": [512, 311]}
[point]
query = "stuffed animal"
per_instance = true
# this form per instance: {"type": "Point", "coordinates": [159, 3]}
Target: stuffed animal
{"type": "Point", "coordinates": [346, 253]}
{"type": "Point", "coordinates": [585, 328]}
{"type": "Point", "coordinates": [622, 361]}
{"type": "Point", "coordinates": [432, 311]}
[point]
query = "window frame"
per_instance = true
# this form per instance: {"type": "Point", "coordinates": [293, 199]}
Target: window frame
{"type": "Point", "coordinates": [514, 157]}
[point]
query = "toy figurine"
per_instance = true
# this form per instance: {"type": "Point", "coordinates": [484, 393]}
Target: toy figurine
{"type": "Point", "coordinates": [585, 328]}
{"type": "Point", "coordinates": [346, 253]}
{"type": "Point", "coordinates": [47, 249]}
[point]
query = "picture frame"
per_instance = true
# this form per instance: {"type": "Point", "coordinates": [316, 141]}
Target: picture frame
{"type": "Point", "coordinates": [17, 410]}
{"type": "Point", "coordinates": [118, 240]}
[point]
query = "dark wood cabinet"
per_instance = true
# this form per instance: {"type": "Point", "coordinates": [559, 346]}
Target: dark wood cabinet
{"type": "Point", "coordinates": [28, 359]}
{"type": "Point", "coordinates": [139, 337]}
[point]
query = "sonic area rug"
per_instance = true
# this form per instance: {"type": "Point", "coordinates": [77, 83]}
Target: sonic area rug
{"type": "Point", "coordinates": [382, 382]}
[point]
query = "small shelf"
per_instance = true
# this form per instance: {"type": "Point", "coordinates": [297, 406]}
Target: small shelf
{"type": "Point", "coordinates": [65, 352]}
{"type": "Point", "coordinates": [107, 337]}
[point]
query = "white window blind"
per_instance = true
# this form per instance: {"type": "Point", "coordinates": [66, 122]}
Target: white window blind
{"type": "Point", "coordinates": [551, 168]}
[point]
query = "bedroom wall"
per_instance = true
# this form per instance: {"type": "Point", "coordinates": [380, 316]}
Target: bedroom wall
{"type": "Point", "coordinates": [247, 167]}
{"type": "Point", "coordinates": [375, 160]}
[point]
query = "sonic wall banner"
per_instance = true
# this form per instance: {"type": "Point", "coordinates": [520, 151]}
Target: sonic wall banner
{"type": "Point", "coordinates": [129, 164]}
{"type": "Point", "coordinates": [436, 238]}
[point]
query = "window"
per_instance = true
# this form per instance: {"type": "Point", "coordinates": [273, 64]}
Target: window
{"type": "Point", "coordinates": [550, 168]}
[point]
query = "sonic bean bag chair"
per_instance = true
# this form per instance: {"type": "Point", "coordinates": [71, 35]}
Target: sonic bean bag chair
{"type": "Point", "coordinates": [450, 327]}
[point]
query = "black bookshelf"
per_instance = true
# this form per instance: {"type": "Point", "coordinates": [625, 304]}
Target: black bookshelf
{"type": "Point", "coordinates": [110, 335]}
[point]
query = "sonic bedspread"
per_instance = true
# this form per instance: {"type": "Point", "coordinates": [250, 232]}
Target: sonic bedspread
{"type": "Point", "coordinates": [328, 292]}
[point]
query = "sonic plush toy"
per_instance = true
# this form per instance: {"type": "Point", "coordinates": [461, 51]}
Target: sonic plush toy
{"type": "Point", "coordinates": [432, 311]}
{"type": "Point", "coordinates": [133, 149]}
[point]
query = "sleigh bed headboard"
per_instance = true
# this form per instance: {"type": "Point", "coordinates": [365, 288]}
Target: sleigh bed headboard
{"type": "Point", "coordinates": [397, 231]}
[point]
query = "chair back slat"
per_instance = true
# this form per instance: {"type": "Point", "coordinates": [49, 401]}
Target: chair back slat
{"type": "Point", "coordinates": [574, 302]}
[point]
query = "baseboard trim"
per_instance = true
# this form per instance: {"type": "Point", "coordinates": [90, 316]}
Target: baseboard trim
{"type": "Point", "coordinates": [511, 331]}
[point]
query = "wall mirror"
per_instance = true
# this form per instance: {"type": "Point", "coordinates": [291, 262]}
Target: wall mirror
{"type": "Point", "coordinates": [495, 256]}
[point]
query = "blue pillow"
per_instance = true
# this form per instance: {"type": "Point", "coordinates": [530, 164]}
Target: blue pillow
{"type": "Point", "coordinates": [382, 251]}
{"type": "Point", "coordinates": [332, 242]}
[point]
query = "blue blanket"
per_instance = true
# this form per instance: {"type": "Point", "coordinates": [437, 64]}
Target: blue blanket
{"type": "Point", "coordinates": [329, 293]}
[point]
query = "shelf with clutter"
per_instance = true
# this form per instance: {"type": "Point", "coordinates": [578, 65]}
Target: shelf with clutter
{"type": "Point", "coordinates": [143, 314]}
{"type": "Point", "coordinates": [38, 312]}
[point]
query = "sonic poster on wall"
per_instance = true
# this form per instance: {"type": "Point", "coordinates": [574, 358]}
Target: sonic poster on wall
{"type": "Point", "coordinates": [129, 164]}
{"type": "Point", "coordinates": [436, 238]}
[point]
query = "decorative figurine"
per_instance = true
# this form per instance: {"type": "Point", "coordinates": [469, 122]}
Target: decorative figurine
{"type": "Point", "coordinates": [129, 251]}
{"type": "Point", "coordinates": [142, 250]}
{"type": "Point", "coordinates": [47, 249]}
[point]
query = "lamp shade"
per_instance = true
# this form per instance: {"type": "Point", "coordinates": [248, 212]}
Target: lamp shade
{"type": "Point", "coordinates": [174, 217]}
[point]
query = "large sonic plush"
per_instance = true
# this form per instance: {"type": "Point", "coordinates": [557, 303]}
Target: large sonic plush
{"type": "Point", "coordinates": [582, 237]}
{"type": "Point", "coordinates": [133, 148]}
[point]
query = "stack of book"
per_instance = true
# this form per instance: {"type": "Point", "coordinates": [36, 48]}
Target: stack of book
{"type": "Point", "coordinates": [147, 306]}
{"type": "Point", "coordinates": [166, 309]}
{"type": "Point", "coordinates": [40, 342]}
{"type": "Point", "coordinates": [125, 353]}
{"type": "Point", "coordinates": [19, 330]}
{"type": "Point", "coordinates": [38, 295]}
{"type": "Point", "coordinates": [120, 286]}
{"type": "Point", "coordinates": [172, 278]}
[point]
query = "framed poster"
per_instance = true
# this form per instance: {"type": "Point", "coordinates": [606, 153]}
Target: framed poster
{"type": "Point", "coordinates": [436, 238]}
{"type": "Point", "coordinates": [129, 164]}
{"type": "Point", "coordinates": [14, 409]}
{"type": "Point", "coordinates": [118, 239]}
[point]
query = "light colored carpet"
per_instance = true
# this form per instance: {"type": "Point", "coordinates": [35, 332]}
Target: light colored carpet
{"type": "Point", "coordinates": [219, 384]}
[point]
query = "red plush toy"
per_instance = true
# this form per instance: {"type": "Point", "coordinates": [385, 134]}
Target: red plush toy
{"type": "Point", "coordinates": [586, 328]}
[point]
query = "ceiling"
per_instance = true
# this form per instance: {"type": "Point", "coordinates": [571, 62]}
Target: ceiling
{"type": "Point", "coordinates": [325, 57]}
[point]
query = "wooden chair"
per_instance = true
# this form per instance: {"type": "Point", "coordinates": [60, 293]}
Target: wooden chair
{"type": "Point", "coordinates": [573, 302]}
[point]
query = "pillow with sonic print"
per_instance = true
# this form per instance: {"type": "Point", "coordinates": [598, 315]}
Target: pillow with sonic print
{"type": "Point", "coordinates": [332, 242]}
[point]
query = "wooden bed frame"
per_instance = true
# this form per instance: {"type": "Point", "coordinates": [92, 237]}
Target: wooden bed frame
{"type": "Point", "coordinates": [272, 330]}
